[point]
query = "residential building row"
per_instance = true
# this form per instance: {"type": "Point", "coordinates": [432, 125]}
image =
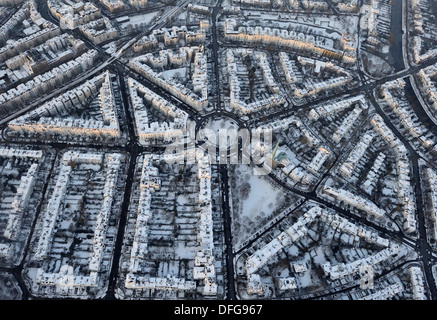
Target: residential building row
{"type": "Point", "coordinates": [255, 3]}
{"type": "Point", "coordinates": [417, 283]}
{"type": "Point", "coordinates": [199, 9]}
{"type": "Point", "coordinates": [41, 58]}
{"type": "Point", "coordinates": [73, 14]}
{"type": "Point", "coordinates": [347, 6]}
{"type": "Point", "coordinates": [204, 268]}
{"type": "Point", "coordinates": [312, 86]}
{"type": "Point", "coordinates": [404, 112]}
{"type": "Point", "coordinates": [404, 190]}
{"type": "Point", "coordinates": [20, 202]}
{"type": "Point", "coordinates": [50, 117]}
{"type": "Point", "coordinates": [269, 80]}
{"type": "Point", "coordinates": [39, 31]}
{"type": "Point", "coordinates": [134, 279]}
{"type": "Point", "coordinates": [24, 191]}
{"type": "Point", "coordinates": [318, 160]}
{"type": "Point", "coordinates": [431, 177]}
{"type": "Point", "coordinates": [200, 74]}
{"type": "Point", "coordinates": [374, 173]}
{"type": "Point", "coordinates": [113, 5]}
{"type": "Point", "coordinates": [99, 30]}
{"type": "Point", "coordinates": [327, 109]}
{"type": "Point", "coordinates": [235, 87]}
{"type": "Point", "coordinates": [263, 255]}
{"type": "Point", "coordinates": [169, 37]}
{"type": "Point", "coordinates": [309, 5]}
{"type": "Point", "coordinates": [347, 124]}
{"type": "Point", "coordinates": [354, 157]}
{"type": "Point", "coordinates": [21, 153]}
{"type": "Point", "coordinates": [370, 22]}
{"type": "Point", "coordinates": [138, 4]}
{"type": "Point", "coordinates": [278, 126]}
{"type": "Point", "coordinates": [315, 5]}
{"type": "Point", "coordinates": [65, 279]}
{"type": "Point", "coordinates": [54, 205]}
{"type": "Point", "coordinates": [416, 14]}
{"type": "Point", "coordinates": [423, 29]}
{"type": "Point", "coordinates": [418, 56]}
{"type": "Point", "coordinates": [178, 90]}
{"type": "Point", "coordinates": [338, 223]}
{"type": "Point", "coordinates": [385, 293]}
{"type": "Point", "coordinates": [342, 270]}
{"type": "Point", "coordinates": [286, 39]}
{"type": "Point", "coordinates": [101, 226]}
{"type": "Point", "coordinates": [10, 2]}
{"type": "Point", "coordinates": [354, 201]}
{"type": "Point", "coordinates": [427, 85]}
{"type": "Point", "coordinates": [289, 67]}
{"type": "Point", "coordinates": [170, 57]}
{"type": "Point", "coordinates": [292, 170]}
{"type": "Point", "coordinates": [149, 182]}
{"type": "Point", "coordinates": [45, 82]}
{"type": "Point", "coordinates": [147, 130]}
{"type": "Point", "coordinates": [160, 283]}
{"type": "Point", "coordinates": [20, 17]}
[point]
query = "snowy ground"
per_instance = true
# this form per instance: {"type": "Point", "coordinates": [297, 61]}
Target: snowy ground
{"type": "Point", "coordinates": [174, 73]}
{"type": "Point", "coordinates": [255, 201]}
{"type": "Point", "coordinates": [140, 19]}
{"type": "Point", "coordinates": [221, 123]}
{"type": "Point", "coordinates": [375, 66]}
